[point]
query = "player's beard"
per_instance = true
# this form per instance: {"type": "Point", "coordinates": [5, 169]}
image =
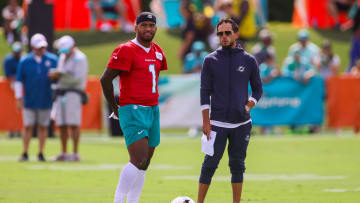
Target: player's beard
{"type": "Point", "coordinates": [228, 46]}
{"type": "Point", "coordinates": [146, 39]}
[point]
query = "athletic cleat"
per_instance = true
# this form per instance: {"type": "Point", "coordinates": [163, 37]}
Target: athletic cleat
{"type": "Point", "coordinates": [24, 157]}
{"type": "Point", "coordinates": [41, 157]}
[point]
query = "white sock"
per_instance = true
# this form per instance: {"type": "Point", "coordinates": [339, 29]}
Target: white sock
{"type": "Point", "coordinates": [127, 177]}
{"type": "Point", "coordinates": [136, 188]}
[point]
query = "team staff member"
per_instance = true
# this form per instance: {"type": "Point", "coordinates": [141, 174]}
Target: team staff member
{"type": "Point", "coordinates": [138, 63]}
{"type": "Point", "coordinates": [33, 92]}
{"type": "Point", "coordinates": [70, 75]}
{"type": "Point", "coordinates": [225, 77]}
{"type": "Point", "coordinates": [10, 64]}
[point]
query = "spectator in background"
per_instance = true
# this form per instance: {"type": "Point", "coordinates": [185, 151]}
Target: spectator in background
{"type": "Point", "coordinates": [197, 28]}
{"type": "Point", "coordinates": [338, 9]}
{"type": "Point", "coordinates": [223, 8]}
{"type": "Point", "coordinates": [194, 60]}
{"type": "Point", "coordinates": [297, 68]}
{"type": "Point", "coordinates": [355, 70]}
{"type": "Point", "coordinates": [306, 49]}
{"type": "Point", "coordinates": [264, 48]}
{"type": "Point", "coordinates": [10, 65]}
{"type": "Point", "coordinates": [268, 70]}
{"type": "Point", "coordinates": [114, 7]}
{"type": "Point", "coordinates": [354, 22]}
{"type": "Point", "coordinates": [244, 11]}
{"type": "Point", "coordinates": [36, 99]}
{"type": "Point", "coordinates": [70, 75]}
{"type": "Point", "coordinates": [11, 62]}
{"type": "Point", "coordinates": [327, 63]}
{"type": "Point", "coordinates": [13, 20]}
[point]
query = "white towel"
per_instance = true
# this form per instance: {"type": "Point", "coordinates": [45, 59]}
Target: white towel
{"type": "Point", "coordinates": [113, 116]}
{"type": "Point", "coordinates": [207, 146]}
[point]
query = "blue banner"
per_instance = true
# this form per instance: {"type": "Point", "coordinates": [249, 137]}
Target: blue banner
{"type": "Point", "coordinates": [286, 101]}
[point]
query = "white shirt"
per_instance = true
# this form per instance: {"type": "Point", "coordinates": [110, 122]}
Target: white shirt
{"type": "Point", "coordinates": [74, 70]}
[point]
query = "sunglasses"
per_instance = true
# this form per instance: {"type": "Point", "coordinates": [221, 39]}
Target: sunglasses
{"type": "Point", "coordinates": [227, 33]}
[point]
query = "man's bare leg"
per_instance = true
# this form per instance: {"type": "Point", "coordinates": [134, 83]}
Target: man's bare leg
{"type": "Point", "coordinates": [64, 135]}
{"type": "Point", "coordinates": [27, 137]}
{"type": "Point", "coordinates": [237, 189]}
{"type": "Point", "coordinates": [42, 134]}
{"type": "Point", "coordinates": [203, 188]}
{"type": "Point", "coordinates": [75, 134]}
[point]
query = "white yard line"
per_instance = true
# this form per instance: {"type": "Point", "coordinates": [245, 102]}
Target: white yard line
{"type": "Point", "coordinates": [264, 177]}
{"type": "Point", "coordinates": [100, 167]}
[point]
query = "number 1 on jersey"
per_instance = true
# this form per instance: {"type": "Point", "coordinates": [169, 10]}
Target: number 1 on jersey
{"type": "Point", "coordinates": [152, 70]}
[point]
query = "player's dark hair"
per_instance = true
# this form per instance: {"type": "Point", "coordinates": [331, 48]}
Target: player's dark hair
{"type": "Point", "coordinates": [234, 25]}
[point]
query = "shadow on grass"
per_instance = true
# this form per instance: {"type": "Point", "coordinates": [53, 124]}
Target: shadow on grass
{"type": "Point", "coordinates": [94, 38]}
{"type": "Point", "coordinates": [334, 35]}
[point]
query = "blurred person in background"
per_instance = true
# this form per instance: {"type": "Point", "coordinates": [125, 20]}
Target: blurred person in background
{"type": "Point", "coordinates": [297, 68]}
{"type": "Point", "coordinates": [194, 60]}
{"type": "Point", "coordinates": [268, 72]}
{"type": "Point", "coordinates": [354, 23]}
{"type": "Point", "coordinates": [223, 8]}
{"type": "Point", "coordinates": [197, 28]}
{"type": "Point", "coordinates": [304, 47]}
{"type": "Point", "coordinates": [339, 9]}
{"type": "Point", "coordinates": [355, 70]}
{"type": "Point", "coordinates": [116, 7]}
{"type": "Point", "coordinates": [33, 92]}
{"type": "Point", "coordinates": [264, 48]}
{"type": "Point", "coordinates": [10, 65]}
{"type": "Point", "coordinates": [13, 21]}
{"type": "Point", "coordinates": [70, 95]}
{"type": "Point", "coordinates": [11, 62]}
{"type": "Point", "coordinates": [302, 71]}
{"type": "Point", "coordinates": [244, 16]}
{"type": "Point", "coordinates": [327, 63]}
{"type": "Point", "coordinates": [268, 69]}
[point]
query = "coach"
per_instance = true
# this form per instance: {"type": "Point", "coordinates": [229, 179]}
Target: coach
{"type": "Point", "coordinates": [33, 92]}
{"type": "Point", "coordinates": [225, 77]}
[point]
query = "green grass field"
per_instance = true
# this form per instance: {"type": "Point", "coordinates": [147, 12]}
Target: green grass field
{"type": "Point", "coordinates": [280, 169]}
{"type": "Point", "coordinates": [99, 46]}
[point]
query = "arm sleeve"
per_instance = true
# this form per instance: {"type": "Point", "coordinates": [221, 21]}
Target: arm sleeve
{"type": "Point", "coordinates": [205, 85]}
{"type": "Point", "coordinates": [121, 58]}
{"type": "Point", "coordinates": [255, 82]}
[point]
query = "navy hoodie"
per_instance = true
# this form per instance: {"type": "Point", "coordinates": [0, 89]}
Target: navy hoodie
{"type": "Point", "coordinates": [225, 77]}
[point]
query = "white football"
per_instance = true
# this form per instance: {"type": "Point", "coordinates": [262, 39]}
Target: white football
{"type": "Point", "coordinates": [183, 199]}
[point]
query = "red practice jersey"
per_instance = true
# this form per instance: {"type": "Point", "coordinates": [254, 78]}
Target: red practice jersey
{"type": "Point", "coordinates": [139, 79]}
